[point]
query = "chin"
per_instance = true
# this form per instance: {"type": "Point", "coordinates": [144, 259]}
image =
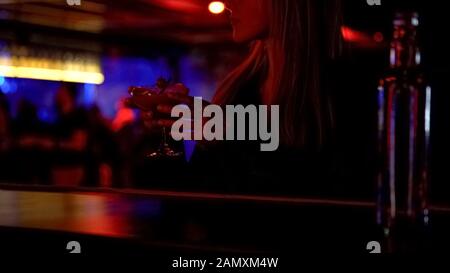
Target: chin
{"type": "Point", "coordinates": [239, 38]}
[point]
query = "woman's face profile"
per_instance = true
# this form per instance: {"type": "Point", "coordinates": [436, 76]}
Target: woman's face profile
{"type": "Point", "coordinates": [249, 19]}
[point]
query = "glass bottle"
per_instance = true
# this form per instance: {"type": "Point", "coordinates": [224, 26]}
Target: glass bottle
{"type": "Point", "coordinates": [404, 117]}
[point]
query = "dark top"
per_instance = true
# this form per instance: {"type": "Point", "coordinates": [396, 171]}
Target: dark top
{"type": "Point", "coordinates": [240, 166]}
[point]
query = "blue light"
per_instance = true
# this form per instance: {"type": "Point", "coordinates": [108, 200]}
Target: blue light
{"type": "Point", "coordinates": [2, 80]}
{"type": "Point", "coordinates": [46, 116]}
{"type": "Point", "coordinates": [200, 83]}
{"type": "Point", "coordinates": [89, 94]}
{"type": "Point", "coordinates": [6, 88]}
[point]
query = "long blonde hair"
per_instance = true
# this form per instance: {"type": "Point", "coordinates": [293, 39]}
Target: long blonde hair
{"type": "Point", "coordinates": [305, 34]}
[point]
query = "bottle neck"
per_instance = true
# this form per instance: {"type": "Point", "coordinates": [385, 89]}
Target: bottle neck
{"type": "Point", "coordinates": [404, 51]}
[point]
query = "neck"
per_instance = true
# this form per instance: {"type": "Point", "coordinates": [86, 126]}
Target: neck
{"type": "Point", "coordinates": [404, 50]}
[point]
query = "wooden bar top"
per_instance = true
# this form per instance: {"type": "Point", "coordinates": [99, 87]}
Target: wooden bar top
{"type": "Point", "coordinates": [208, 221]}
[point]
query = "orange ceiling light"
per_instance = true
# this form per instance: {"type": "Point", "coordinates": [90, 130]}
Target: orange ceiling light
{"type": "Point", "coordinates": [216, 7]}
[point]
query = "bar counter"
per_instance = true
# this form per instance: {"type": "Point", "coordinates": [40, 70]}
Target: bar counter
{"type": "Point", "coordinates": [142, 222]}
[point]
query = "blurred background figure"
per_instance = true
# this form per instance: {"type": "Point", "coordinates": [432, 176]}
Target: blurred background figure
{"type": "Point", "coordinates": [4, 136]}
{"type": "Point", "coordinates": [125, 116]}
{"type": "Point", "coordinates": [31, 144]}
{"type": "Point", "coordinates": [125, 130]}
{"type": "Point", "coordinates": [102, 165]}
{"type": "Point", "coordinates": [4, 122]}
{"type": "Point", "coordinates": [73, 152]}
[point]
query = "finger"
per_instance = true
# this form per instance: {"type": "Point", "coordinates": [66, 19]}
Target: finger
{"type": "Point", "coordinates": [164, 109]}
{"type": "Point", "coordinates": [182, 99]}
{"type": "Point", "coordinates": [147, 115]}
{"type": "Point", "coordinates": [138, 91]}
{"type": "Point", "coordinates": [178, 88]}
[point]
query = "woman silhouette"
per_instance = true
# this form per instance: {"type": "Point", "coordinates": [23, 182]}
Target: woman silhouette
{"type": "Point", "coordinates": [292, 45]}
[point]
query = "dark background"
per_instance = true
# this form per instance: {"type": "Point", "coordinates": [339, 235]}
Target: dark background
{"type": "Point", "coordinates": [130, 32]}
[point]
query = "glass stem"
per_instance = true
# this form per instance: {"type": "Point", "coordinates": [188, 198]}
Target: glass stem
{"type": "Point", "coordinates": [164, 136]}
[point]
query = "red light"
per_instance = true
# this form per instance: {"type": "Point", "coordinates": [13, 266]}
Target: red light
{"type": "Point", "coordinates": [216, 7]}
{"type": "Point", "coordinates": [378, 37]}
{"type": "Point", "coordinates": [349, 34]}
{"type": "Point", "coordinates": [360, 38]}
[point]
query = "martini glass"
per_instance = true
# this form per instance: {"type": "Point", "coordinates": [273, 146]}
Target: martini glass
{"type": "Point", "coordinates": [148, 99]}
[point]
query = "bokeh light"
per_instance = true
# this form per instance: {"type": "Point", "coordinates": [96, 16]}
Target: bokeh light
{"type": "Point", "coordinates": [216, 7]}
